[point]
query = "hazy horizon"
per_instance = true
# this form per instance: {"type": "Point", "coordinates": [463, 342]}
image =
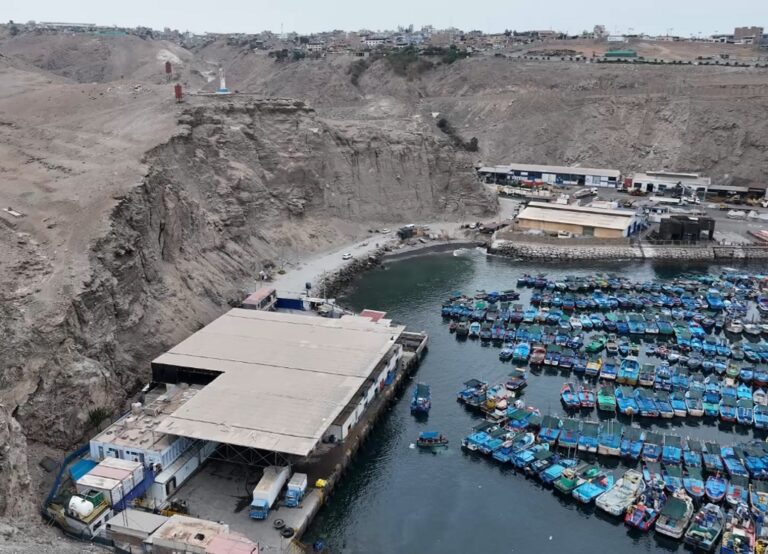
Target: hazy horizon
{"type": "Point", "coordinates": [681, 17]}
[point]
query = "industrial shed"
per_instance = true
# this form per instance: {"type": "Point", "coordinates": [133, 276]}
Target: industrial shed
{"type": "Point", "coordinates": [579, 220]}
{"type": "Point", "coordinates": [276, 381]}
{"type": "Point", "coordinates": [550, 174]}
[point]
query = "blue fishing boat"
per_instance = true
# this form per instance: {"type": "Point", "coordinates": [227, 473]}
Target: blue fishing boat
{"type": "Point", "coordinates": [760, 415]}
{"type": "Point", "coordinates": [745, 411]}
{"type": "Point", "coordinates": [679, 406]}
{"type": "Point", "coordinates": [693, 483]}
{"type": "Point", "coordinates": [542, 459]}
{"type": "Point", "coordinates": [733, 465]}
{"type": "Point", "coordinates": [524, 457]}
{"type": "Point", "coordinates": [672, 452]}
{"type": "Point", "coordinates": [421, 401]}
{"type": "Point", "coordinates": [663, 404]}
{"type": "Point", "coordinates": [758, 497]}
{"type": "Point", "coordinates": [555, 471]}
{"type": "Point", "coordinates": [517, 380]}
{"type": "Point", "coordinates": [746, 374]}
{"type": "Point", "coordinates": [714, 301]}
{"type": "Point", "coordinates": [521, 352]}
{"type": "Point", "coordinates": [672, 476]}
{"type": "Point", "coordinates": [643, 514]}
{"type": "Point", "coordinates": [506, 353]}
{"type": "Point", "coordinates": [609, 370]}
{"type": "Point", "coordinates": [569, 396]}
{"type": "Point", "coordinates": [588, 491]}
{"type": "Point", "coordinates": [431, 439]}
{"type": "Point", "coordinates": [629, 371]}
{"type": "Point", "coordinates": [711, 399]}
{"type": "Point", "coordinates": [587, 441]}
{"type": "Point", "coordinates": [713, 462]}
{"type": "Point", "coordinates": [663, 378]}
{"type": "Point", "coordinates": [652, 447]}
{"type": "Point", "coordinates": [550, 429]}
{"type": "Point", "coordinates": [646, 403]}
{"type": "Point", "coordinates": [738, 491]}
{"type": "Point", "coordinates": [609, 439]}
{"type": "Point", "coordinates": [744, 391]}
{"type": "Point", "coordinates": [632, 443]}
{"type": "Point", "coordinates": [474, 330]}
{"type": "Point", "coordinates": [569, 434]}
{"type": "Point", "coordinates": [626, 402]}
{"type": "Point", "coordinates": [653, 475]}
{"type": "Point", "coordinates": [727, 409]}
{"type": "Point", "coordinates": [692, 453]}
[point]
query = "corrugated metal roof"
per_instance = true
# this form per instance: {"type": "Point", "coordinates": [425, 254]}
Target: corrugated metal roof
{"type": "Point", "coordinates": [587, 219]}
{"type": "Point", "coordinates": [672, 178]}
{"type": "Point", "coordinates": [551, 169]}
{"type": "Point", "coordinates": [284, 377]}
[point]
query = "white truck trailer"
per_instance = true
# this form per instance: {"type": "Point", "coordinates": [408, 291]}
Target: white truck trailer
{"type": "Point", "coordinates": [297, 486]}
{"type": "Point", "coordinates": [267, 490]}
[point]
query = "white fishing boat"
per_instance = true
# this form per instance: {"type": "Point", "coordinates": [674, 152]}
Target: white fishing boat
{"type": "Point", "coordinates": [675, 515]}
{"type": "Point", "coordinates": [623, 494]}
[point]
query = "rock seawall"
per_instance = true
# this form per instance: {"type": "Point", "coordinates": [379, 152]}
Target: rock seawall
{"type": "Point", "coordinates": [565, 251]}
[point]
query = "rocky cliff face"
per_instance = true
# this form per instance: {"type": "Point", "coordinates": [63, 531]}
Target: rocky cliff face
{"type": "Point", "coordinates": [241, 182]}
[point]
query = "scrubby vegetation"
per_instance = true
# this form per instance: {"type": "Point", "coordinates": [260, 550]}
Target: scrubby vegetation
{"type": "Point", "coordinates": [470, 145]}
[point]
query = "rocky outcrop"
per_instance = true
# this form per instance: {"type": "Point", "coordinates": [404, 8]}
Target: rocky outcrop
{"type": "Point", "coordinates": [241, 182]}
{"type": "Point", "coordinates": [14, 474]}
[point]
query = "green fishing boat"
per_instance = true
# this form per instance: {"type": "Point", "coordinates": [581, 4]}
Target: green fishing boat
{"type": "Point", "coordinates": [606, 398]}
{"type": "Point", "coordinates": [575, 477]}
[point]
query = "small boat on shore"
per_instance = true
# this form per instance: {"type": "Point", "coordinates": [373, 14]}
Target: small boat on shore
{"type": "Point", "coordinates": [431, 439]}
{"type": "Point", "coordinates": [706, 527]}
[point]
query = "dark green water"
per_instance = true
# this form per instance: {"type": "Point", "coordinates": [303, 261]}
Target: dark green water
{"type": "Point", "coordinates": [396, 499]}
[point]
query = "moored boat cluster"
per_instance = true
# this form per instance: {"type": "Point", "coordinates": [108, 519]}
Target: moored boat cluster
{"type": "Point", "coordinates": [692, 347]}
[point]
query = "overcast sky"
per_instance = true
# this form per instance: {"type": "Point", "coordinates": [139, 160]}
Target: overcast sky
{"type": "Point", "coordinates": [682, 17]}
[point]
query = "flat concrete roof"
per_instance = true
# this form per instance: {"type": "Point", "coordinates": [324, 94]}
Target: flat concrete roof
{"type": "Point", "coordinates": [577, 215]}
{"type": "Point", "coordinates": [551, 169]}
{"type": "Point", "coordinates": [284, 377]}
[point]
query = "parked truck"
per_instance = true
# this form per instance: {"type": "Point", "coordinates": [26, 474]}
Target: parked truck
{"type": "Point", "coordinates": [297, 486]}
{"type": "Point", "coordinates": [267, 490]}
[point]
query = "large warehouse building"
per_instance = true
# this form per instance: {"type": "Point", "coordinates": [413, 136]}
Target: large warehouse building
{"type": "Point", "coordinates": [580, 220]}
{"type": "Point", "coordinates": [550, 175]}
{"type": "Point", "coordinates": [277, 381]}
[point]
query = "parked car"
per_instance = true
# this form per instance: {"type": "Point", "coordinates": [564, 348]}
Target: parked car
{"type": "Point", "coordinates": [346, 256]}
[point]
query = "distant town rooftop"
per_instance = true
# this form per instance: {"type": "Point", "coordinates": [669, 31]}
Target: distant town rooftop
{"type": "Point", "coordinates": [554, 169]}
{"type": "Point", "coordinates": [279, 379]}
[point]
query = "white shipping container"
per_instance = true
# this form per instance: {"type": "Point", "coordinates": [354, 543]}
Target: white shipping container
{"type": "Point", "coordinates": [136, 468]}
{"type": "Point", "coordinates": [122, 475]}
{"type": "Point", "coordinates": [112, 489]}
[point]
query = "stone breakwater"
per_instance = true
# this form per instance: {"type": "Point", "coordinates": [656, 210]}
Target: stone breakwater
{"type": "Point", "coordinates": [582, 251]}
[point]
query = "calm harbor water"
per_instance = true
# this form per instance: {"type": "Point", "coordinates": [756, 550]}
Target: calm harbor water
{"type": "Point", "coordinates": [396, 498]}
